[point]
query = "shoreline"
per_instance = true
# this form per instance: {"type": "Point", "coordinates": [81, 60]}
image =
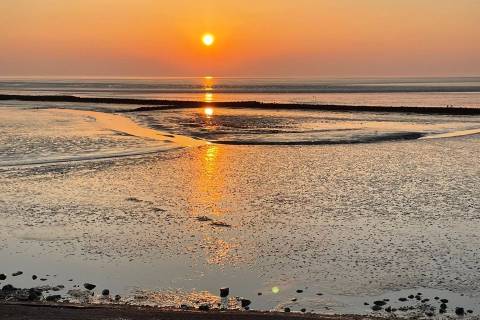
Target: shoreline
{"type": "Point", "coordinates": [40, 311]}
{"type": "Point", "coordinates": [160, 104]}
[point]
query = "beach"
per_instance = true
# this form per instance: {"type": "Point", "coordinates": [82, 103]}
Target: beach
{"type": "Point", "coordinates": [314, 209]}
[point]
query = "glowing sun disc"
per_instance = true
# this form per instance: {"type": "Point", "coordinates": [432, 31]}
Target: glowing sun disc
{"type": "Point", "coordinates": [208, 39]}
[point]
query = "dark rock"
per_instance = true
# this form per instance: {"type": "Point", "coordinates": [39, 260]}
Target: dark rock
{"type": "Point", "coordinates": [294, 299]}
{"type": "Point", "coordinates": [469, 311]}
{"type": "Point", "coordinates": [419, 294]}
{"type": "Point", "coordinates": [34, 294]}
{"type": "Point", "coordinates": [418, 298]}
{"type": "Point", "coordinates": [299, 291]}
{"type": "Point", "coordinates": [259, 293]}
{"type": "Point", "coordinates": [394, 309]}
{"type": "Point", "coordinates": [425, 300]}
{"type": "Point", "coordinates": [245, 302]}
{"type": "Point", "coordinates": [429, 314]}
{"type": "Point", "coordinates": [366, 304]}
{"type": "Point", "coordinates": [319, 294]}
{"type": "Point", "coordinates": [204, 218]}
{"type": "Point", "coordinates": [105, 292]}
{"type": "Point", "coordinates": [287, 309]}
{"type": "Point", "coordinates": [442, 311]}
{"type": "Point", "coordinates": [444, 300]}
{"type": "Point", "coordinates": [34, 277]}
{"type": "Point", "coordinates": [117, 297]}
{"type": "Point", "coordinates": [376, 308]}
{"type": "Point", "coordinates": [53, 298]}
{"type": "Point", "coordinates": [204, 307]}
{"type": "Point", "coordinates": [402, 299]}
{"type": "Point", "coordinates": [443, 306]}
{"type": "Point", "coordinates": [379, 303]}
{"type": "Point", "coordinates": [3, 277]}
{"type": "Point", "coordinates": [459, 311]}
{"type": "Point", "coordinates": [386, 300]}
{"type": "Point", "coordinates": [224, 292]}
{"type": "Point", "coordinates": [303, 310]}
{"type": "Point", "coordinates": [436, 298]}
{"type": "Point", "coordinates": [411, 296]}
{"type": "Point", "coordinates": [185, 307]}
{"type": "Point", "coordinates": [18, 273]}
{"type": "Point", "coordinates": [43, 279]}
{"type": "Point", "coordinates": [89, 286]}
{"type": "Point", "coordinates": [8, 287]}
{"type": "Point", "coordinates": [388, 309]}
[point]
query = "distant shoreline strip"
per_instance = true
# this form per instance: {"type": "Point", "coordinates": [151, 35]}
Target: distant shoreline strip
{"type": "Point", "coordinates": [159, 104]}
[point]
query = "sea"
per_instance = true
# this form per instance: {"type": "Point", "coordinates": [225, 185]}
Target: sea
{"type": "Point", "coordinates": [311, 210]}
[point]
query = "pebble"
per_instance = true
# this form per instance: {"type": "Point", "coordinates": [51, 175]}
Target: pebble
{"type": "Point", "coordinates": [299, 291]}
{"type": "Point", "coordinates": [444, 300]}
{"type": "Point", "coordinates": [303, 310]}
{"type": "Point", "coordinates": [287, 309]}
{"type": "Point", "coordinates": [204, 307]}
{"type": "Point", "coordinates": [89, 286]}
{"type": "Point", "coordinates": [18, 273]}
{"type": "Point", "coordinates": [245, 302]}
{"type": "Point", "coordinates": [105, 292]}
{"type": "Point", "coordinates": [459, 311]}
{"type": "Point", "coordinates": [3, 277]}
{"type": "Point", "coordinates": [117, 297]}
{"type": "Point", "coordinates": [402, 299]}
{"type": "Point", "coordinates": [34, 277]}
{"type": "Point", "coordinates": [379, 303]}
{"type": "Point", "coordinates": [376, 308]}
{"type": "Point", "coordinates": [53, 298]}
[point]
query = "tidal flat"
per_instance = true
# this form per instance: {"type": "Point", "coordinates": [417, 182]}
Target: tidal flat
{"type": "Point", "coordinates": [167, 219]}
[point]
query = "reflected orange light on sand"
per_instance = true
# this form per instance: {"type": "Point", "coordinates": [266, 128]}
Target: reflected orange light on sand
{"type": "Point", "coordinates": [208, 111]}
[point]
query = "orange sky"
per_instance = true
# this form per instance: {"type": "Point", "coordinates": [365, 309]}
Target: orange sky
{"type": "Point", "coordinates": [253, 37]}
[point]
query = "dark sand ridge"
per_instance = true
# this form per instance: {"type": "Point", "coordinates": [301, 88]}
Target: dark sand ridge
{"type": "Point", "coordinates": [158, 104]}
{"type": "Point", "coordinates": [20, 311]}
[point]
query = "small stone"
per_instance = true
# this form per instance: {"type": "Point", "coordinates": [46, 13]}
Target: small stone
{"type": "Point", "coordinates": [53, 298]}
{"type": "Point", "coordinates": [442, 311]}
{"type": "Point", "coordinates": [319, 294]}
{"type": "Point", "coordinates": [294, 299]}
{"type": "Point", "coordinates": [376, 308]}
{"type": "Point", "coordinates": [224, 292]}
{"type": "Point", "coordinates": [411, 296]}
{"type": "Point", "coordinates": [402, 299]}
{"type": "Point", "coordinates": [425, 300]}
{"type": "Point", "coordinates": [388, 309]}
{"type": "Point", "coordinates": [444, 300]}
{"type": "Point", "coordinates": [3, 277]}
{"type": "Point", "coordinates": [469, 311]}
{"type": "Point", "coordinates": [443, 306]}
{"type": "Point", "coordinates": [204, 307]}
{"type": "Point", "coordinates": [366, 304]}
{"type": "Point", "coordinates": [287, 309]}
{"type": "Point", "coordinates": [299, 291]}
{"type": "Point", "coordinates": [436, 298]}
{"type": "Point", "coordinates": [379, 303]}
{"type": "Point", "coordinates": [18, 273]}
{"type": "Point", "coordinates": [8, 287]}
{"type": "Point", "coordinates": [34, 277]}
{"type": "Point", "coordinates": [117, 297]}
{"type": "Point", "coordinates": [429, 314]}
{"type": "Point", "coordinates": [245, 303]}
{"type": "Point", "coordinates": [418, 298]}
{"type": "Point", "coordinates": [259, 293]}
{"type": "Point", "coordinates": [105, 292]}
{"type": "Point", "coordinates": [89, 286]}
{"type": "Point", "coordinates": [459, 311]}
{"type": "Point", "coordinates": [303, 310]}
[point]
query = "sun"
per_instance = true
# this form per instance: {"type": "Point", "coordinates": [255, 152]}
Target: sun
{"type": "Point", "coordinates": [208, 39]}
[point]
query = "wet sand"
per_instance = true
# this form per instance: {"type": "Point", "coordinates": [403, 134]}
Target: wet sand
{"type": "Point", "coordinates": [74, 312]}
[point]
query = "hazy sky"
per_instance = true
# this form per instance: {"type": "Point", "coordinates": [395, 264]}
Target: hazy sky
{"type": "Point", "coordinates": [253, 37]}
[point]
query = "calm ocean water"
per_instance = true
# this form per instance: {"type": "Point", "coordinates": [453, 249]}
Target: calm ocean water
{"type": "Point", "coordinates": [456, 91]}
